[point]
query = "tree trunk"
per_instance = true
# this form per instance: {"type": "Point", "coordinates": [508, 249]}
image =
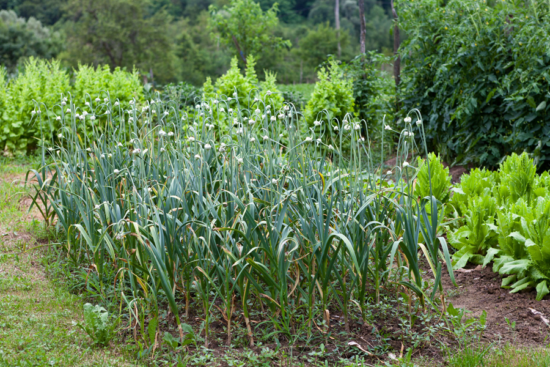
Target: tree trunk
{"type": "Point", "coordinates": [337, 25]}
{"type": "Point", "coordinates": [363, 34]}
{"type": "Point", "coordinates": [397, 62]}
{"type": "Point", "coordinates": [238, 47]}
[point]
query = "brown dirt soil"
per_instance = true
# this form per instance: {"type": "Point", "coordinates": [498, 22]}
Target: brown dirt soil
{"type": "Point", "coordinates": [479, 290]}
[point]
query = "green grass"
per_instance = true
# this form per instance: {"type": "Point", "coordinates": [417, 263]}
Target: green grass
{"type": "Point", "coordinates": [508, 355]}
{"type": "Point", "coordinates": [37, 316]}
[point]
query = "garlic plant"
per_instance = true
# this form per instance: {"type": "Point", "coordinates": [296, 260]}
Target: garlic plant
{"type": "Point", "coordinates": [159, 204]}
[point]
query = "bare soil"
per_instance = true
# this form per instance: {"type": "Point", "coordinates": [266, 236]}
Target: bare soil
{"type": "Point", "coordinates": [479, 290]}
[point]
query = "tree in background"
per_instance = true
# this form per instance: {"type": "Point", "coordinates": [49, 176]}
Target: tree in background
{"type": "Point", "coordinates": [48, 12]}
{"type": "Point", "coordinates": [120, 33]}
{"type": "Point", "coordinates": [320, 43]}
{"type": "Point", "coordinates": [172, 38]}
{"type": "Point", "coordinates": [244, 25]}
{"type": "Point", "coordinates": [20, 39]}
{"type": "Point", "coordinates": [197, 55]}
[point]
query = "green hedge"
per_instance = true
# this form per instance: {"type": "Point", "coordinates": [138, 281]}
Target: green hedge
{"type": "Point", "coordinates": [479, 74]}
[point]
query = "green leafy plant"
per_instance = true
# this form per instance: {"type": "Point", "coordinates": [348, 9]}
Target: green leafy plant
{"type": "Point", "coordinates": [472, 185]}
{"type": "Point", "coordinates": [517, 178]}
{"type": "Point", "coordinates": [332, 99]}
{"type": "Point", "coordinates": [238, 90]}
{"type": "Point", "coordinates": [433, 179]}
{"type": "Point", "coordinates": [99, 82]}
{"type": "Point", "coordinates": [474, 239]}
{"type": "Point", "coordinates": [98, 324]}
{"type": "Point", "coordinates": [507, 221]}
{"type": "Point", "coordinates": [27, 99]}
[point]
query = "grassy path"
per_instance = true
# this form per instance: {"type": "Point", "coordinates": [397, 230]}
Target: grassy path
{"type": "Point", "coordinates": [37, 316]}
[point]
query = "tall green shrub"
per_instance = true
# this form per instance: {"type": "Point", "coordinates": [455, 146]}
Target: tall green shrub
{"type": "Point", "coordinates": [100, 82]}
{"type": "Point", "coordinates": [373, 89]}
{"type": "Point", "coordinates": [480, 71]}
{"type": "Point", "coordinates": [236, 90]}
{"type": "Point", "coordinates": [331, 99]}
{"type": "Point", "coordinates": [26, 117]}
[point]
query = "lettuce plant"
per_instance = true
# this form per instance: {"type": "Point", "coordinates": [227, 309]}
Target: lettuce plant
{"type": "Point", "coordinates": [507, 221]}
{"type": "Point", "coordinates": [437, 174]}
{"type": "Point", "coordinates": [98, 324]}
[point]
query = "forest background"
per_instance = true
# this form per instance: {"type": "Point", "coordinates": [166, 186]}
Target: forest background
{"type": "Point", "coordinates": [180, 40]}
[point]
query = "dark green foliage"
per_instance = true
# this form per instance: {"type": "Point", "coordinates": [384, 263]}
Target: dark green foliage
{"type": "Point", "coordinates": [373, 89]}
{"type": "Point", "coordinates": [320, 43]}
{"type": "Point", "coordinates": [46, 11]}
{"type": "Point", "coordinates": [481, 75]}
{"type": "Point", "coordinates": [182, 93]}
{"type": "Point", "coordinates": [246, 28]}
{"type": "Point", "coordinates": [20, 39]}
{"type": "Point", "coordinates": [119, 33]}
